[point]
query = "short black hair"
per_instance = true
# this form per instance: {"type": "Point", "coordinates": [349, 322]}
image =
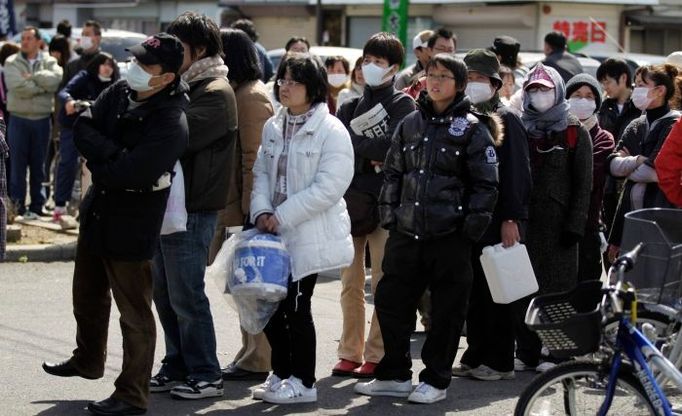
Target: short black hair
{"type": "Point", "coordinates": [35, 30]}
{"type": "Point", "coordinates": [64, 28]}
{"type": "Point", "coordinates": [385, 45]}
{"type": "Point", "coordinates": [614, 68]}
{"type": "Point", "coordinates": [296, 39]}
{"type": "Point", "coordinates": [454, 65]}
{"type": "Point", "coordinates": [308, 71]}
{"type": "Point", "coordinates": [556, 41]}
{"type": "Point", "coordinates": [247, 26]}
{"type": "Point", "coordinates": [240, 56]}
{"type": "Point", "coordinates": [332, 60]}
{"type": "Point", "coordinates": [59, 43]}
{"type": "Point", "coordinates": [441, 33]}
{"type": "Point", "coordinates": [95, 25]}
{"type": "Point", "coordinates": [197, 30]}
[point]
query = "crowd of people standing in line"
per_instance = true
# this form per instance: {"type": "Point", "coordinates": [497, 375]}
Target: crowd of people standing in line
{"type": "Point", "coordinates": [420, 168]}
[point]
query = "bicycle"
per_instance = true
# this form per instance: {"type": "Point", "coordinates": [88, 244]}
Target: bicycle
{"type": "Point", "coordinates": [618, 379]}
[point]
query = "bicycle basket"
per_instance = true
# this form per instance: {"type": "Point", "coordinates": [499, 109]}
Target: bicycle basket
{"type": "Point", "coordinates": [656, 275]}
{"type": "Point", "coordinates": [568, 323]}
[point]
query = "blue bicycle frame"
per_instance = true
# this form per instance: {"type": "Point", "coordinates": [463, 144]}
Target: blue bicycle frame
{"type": "Point", "coordinates": [639, 350]}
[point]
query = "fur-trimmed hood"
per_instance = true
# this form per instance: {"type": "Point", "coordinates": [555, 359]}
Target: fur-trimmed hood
{"type": "Point", "coordinates": [495, 124]}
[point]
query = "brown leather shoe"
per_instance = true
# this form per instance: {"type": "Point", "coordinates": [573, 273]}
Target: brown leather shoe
{"type": "Point", "coordinates": [345, 368]}
{"type": "Point", "coordinates": [366, 370]}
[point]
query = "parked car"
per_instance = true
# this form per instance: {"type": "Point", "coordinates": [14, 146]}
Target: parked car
{"type": "Point", "coordinates": [324, 52]}
{"type": "Point", "coordinates": [114, 41]}
{"type": "Point", "coordinates": [634, 60]}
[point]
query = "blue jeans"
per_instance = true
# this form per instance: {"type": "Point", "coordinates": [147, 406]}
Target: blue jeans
{"type": "Point", "coordinates": [28, 140]}
{"type": "Point", "coordinates": [68, 165]}
{"type": "Point", "coordinates": [184, 311]}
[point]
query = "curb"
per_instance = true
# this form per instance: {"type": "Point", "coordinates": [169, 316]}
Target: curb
{"type": "Point", "coordinates": [41, 252]}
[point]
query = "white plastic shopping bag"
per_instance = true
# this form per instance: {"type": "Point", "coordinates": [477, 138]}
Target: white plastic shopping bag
{"type": "Point", "coordinates": [175, 217]}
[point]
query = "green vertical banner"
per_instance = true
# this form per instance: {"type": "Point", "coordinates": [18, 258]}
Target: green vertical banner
{"type": "Point", "coordinates": [395, 19]}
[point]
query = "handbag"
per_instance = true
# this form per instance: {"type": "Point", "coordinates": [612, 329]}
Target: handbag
{"type": "Point", "coordinates": [363, 209]}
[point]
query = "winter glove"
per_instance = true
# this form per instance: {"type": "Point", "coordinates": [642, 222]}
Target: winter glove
{"type": "Point", "coordinates": [475, 225]}
{"type": "Point", "coordinates": [569, 239]}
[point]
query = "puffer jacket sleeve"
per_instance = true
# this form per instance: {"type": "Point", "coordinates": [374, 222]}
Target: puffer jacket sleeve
{"type": "Point", "coordinates": [89, 129]}
{"type": "Point", "coordinates": [394, 168]}
{"type": "Point", "coordinates": [581, 190]}
{"type": "Point", "coordinates": [15, 81]}
{"type": "Point", "coordinates": [261, 199]}
{"type": "Point", "coordinates": [50, 76]}
{"type": "Point", "coordinates": [669, 165]}
{"type": "Point", "coordinates": [481, 165]}
{"type": "Point", "coordinates": [334, 174]}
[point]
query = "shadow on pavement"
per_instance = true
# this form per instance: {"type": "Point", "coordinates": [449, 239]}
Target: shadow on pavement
{"type": "Point", "coordinates": [63, 407]}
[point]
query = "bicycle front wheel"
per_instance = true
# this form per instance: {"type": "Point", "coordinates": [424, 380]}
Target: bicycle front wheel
{"type": "Point", "coordinates": [578, 389]}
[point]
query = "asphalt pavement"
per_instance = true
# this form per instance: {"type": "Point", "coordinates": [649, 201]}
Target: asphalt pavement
{"type": "Point", "coordinates": [36, 324]}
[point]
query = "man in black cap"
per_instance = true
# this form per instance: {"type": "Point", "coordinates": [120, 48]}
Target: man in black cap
{"type": "Point", "coordinates": [131, 137]}
{"type": "Point", "coordinates": [507, 50]}
{"type": "Point", "coordinates": [557, 57]}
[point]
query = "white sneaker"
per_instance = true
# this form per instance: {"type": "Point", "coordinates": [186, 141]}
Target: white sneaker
{"type": "Point", "coordinates": [485, 373]}
{"type": "Point", "coordinates": [544, 366]}
{"type": "Point", "coordinates": [270, 384]}
{"type": "Point", "coordinates": [195, 389]}
{"type": "Point", "coordinates": [289, 391]}
{"type": "Point", "coordinates": [521, 366]}
{"type": "Point", "coordinates": [392, 388]}
{"type": "Point", "coordinates": [426, 394]}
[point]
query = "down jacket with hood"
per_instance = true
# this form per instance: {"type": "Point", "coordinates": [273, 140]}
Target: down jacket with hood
{"type": "Point", "coordinates": [441, 173]}
{"type": "Point", "coordinates": [314, 223]}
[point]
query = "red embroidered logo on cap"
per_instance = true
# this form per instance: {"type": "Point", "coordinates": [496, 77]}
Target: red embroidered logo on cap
{"type": "Point", "coordinates": [152, 42]}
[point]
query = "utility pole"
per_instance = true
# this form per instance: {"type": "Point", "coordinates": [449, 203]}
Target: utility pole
{"type": "Point", "coordinates": [319, 27]}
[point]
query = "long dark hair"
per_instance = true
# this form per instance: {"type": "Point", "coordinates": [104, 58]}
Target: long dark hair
{"type": "Point", "coordinates": [240, 56]}
{"type": "Point", "coordinates": [102, 58]}
{"type": "Point", "coordinates": [60, 44]}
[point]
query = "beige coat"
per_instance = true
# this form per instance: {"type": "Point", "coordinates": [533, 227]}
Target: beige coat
{"type": "Point", "coordinates": [31, 96]}
{"type": "Point", "coordinates": [253, 110]}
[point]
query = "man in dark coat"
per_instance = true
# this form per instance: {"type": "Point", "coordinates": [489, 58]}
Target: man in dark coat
{"type": "Point", "coordinates": [557, 57]}
{"type": "Point", "coordinates": [89, 47]}
{"type": "Point", "coordinates": [131, 137]}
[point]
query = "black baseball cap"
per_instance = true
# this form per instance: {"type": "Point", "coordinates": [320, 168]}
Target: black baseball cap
{"type": "Point", "coordinates": [160, 49]}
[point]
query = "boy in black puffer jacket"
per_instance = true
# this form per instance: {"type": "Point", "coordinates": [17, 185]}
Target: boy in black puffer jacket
{"type": "Point", "coordinates": [438, 198]}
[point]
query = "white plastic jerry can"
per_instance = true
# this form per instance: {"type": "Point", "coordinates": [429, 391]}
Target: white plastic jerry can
{"type": "Point", "coordinates": [509, 273]}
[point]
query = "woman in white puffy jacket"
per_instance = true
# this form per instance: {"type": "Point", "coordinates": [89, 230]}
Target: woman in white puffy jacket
{"type": "Point", "coordinates": [304, 166]}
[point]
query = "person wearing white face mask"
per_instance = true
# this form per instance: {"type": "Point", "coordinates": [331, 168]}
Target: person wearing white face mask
{"type": "Point", "coordinates": [131, 140]}
{"type": "Point", "coordinates": [490, 334]}
{"type": "Point", "coordinates": [89, 47]}
{"type": "Point", "coordinates": [561, 167]}
{"type": "Point", "coordinates": [655, 87]}
{"type": "Point", "coordinates": [338, 76]}
{"type": "Point", "coordinates": [86, 86]}
{"type": "Point", "coordinates": [371, 120]}
{"type": "Point", "coordinates": [584, 98]}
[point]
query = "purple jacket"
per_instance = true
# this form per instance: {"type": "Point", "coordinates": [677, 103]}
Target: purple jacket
{"type": "Point", "coordinates": [602, 146]}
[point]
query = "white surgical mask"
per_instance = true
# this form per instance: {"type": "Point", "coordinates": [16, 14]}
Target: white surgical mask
{"type": "Point", "coordinates": [138, 78]}
{"type": "Point", "coordinates": [583, 108]}
{"type": "Point", "coordinates": [640, 97]}
{"type": "Point", "coordinates": [337, 80]}
{"type": "Point", "coordinates": [87, 42]}
{"type": "Point", "coordinates": [374, 74]}
{"type": "Point", "coordinates": [479, 92]}
{"type": "Point", "coordinates": [542, 100]}
{"type": "Point", "coordinates": [103, 79]}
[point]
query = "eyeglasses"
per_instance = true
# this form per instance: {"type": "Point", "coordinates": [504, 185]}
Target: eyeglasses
{"type": "Point", "coordinates": [439, 78]}
{"type": "Point", "coordinates": [539, 88]}
{"type": "Point", "coordinates": [287, 82]}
